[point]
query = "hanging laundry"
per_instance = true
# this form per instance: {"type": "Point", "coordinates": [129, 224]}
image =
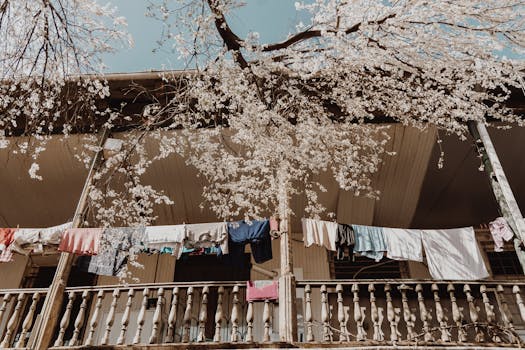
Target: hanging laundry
{"type": "Point", "coordinates": [345, 241]}
{"type": "Point", "coordinates": [453, 254]}
{"type": "Point", "coordinates": [6, 237]}
{"type": "Point", "coordinates": [322, 233]}
{"type": "Point", "coordinates": [81, 241]}
{"type": "Point", "coordinates": [369, 241]}
{"type": "Point", "coordinates": [114, 250]}
{"type": "Point", "coordinates": [28, 240]}
{"type": "Point", "coordinates": [403, 244]}
{"type": "Point", "coordinates": [207, 235]}
{"type": "Point", "coordinates": [500, 231]}
{"type": "Point", "coordinates": [262, 290]}
{"type": "Point", "coordinates": [6, 255]}
{"type": "Point", "coordinates": [256, 233]}
{"type": "Point", "coordinates": [166, 239]}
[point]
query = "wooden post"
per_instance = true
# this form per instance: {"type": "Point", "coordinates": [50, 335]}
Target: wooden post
{"type": "Point", "coordinates": [287, 295]}
{"type": "Point", "coordinates": [53, 302]}
{"type": "Point", "coordinates": [500, 185]}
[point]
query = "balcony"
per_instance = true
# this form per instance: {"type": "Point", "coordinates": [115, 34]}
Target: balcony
{"type": "Point", "coordinates": [329, 313]}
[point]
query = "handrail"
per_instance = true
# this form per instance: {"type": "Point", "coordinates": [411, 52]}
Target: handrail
{"type": "Point", "coordinates": [158, 285]}
{"type": "Point", "coordinates": [23, 290]}
{"type": "Point", "coordinates": [408, 281]}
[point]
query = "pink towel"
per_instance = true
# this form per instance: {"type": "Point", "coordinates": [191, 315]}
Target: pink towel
{"type": "Point", "coordinates": [81, 241]}
{"type": "Point", "coordinates": [262, 290]}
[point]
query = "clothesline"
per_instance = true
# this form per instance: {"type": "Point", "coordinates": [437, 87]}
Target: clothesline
{"type": "Point", "coordinates": [451, 254]}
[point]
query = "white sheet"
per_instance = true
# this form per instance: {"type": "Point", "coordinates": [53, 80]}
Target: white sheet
{"type": "Point", "coordinates": [322, 233]}
{"type": "Point", "coordinates": [403, 244]}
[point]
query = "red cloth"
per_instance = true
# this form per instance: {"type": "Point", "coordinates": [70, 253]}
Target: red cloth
{"type": "Point", "coordinates": [6, 255]}
{"type": "Point", "coordinates": [262, 290]}
{"type": "Point", "coordinates": [6, 236]}
{"type": "Point", "coordinates": [81, 241]}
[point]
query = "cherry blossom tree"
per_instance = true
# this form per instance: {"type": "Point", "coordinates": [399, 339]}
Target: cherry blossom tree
{"type": "Point", "coordinates": [260, 120]}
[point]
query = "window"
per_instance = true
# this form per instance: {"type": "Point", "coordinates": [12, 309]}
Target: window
{"type": "Point", "coordinates": [504, 263]}
{"type": "Point", "coordinates": [366, 268]}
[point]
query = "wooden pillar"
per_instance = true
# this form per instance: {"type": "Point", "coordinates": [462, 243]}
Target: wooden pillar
{"type": "Point", "coordinates": [500, 186]}
{"type": "Point", "coordinates": [287, 295]}
{"type": "Point", "coordinates": [55, 295]}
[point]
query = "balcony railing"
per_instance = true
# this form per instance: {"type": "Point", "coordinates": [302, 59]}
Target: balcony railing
{"type": "Point", "coordinates": [344, 313]}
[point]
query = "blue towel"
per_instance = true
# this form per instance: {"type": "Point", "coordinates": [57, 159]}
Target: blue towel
{"type": "Point", "coordinates": [369, 241]}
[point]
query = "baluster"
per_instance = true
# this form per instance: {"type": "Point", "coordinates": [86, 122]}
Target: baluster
{"type": "Point", "coordinates": [473, 312]}
{"type": "Point", "coordinates": [519, 300]}
{"type": "Point", "coordinates": [141, 318]}
{"type": "Point", "coordinates": [505, 313]}
{"type": "Point", "coordinates": [325, 314]}
{"type": "Point", "coordinates": [13, 321]}
{"type": "Point", "coordinates": [249, 321]}
{"type": "Point", "coordinates": [187, 316]}
{"type": "Point", "coordinates": [440, 315]}
{"type": "Point", "coordinates": [79, 321]}
{"type": "Point", "coordinates": [157, 317]}
{"type": "Point", "coordinates": [489, 311]}
{"type": "Point", "coordinates": [28, 321]}
{"type": "Point", "coordinates": [172, 317]}
{"type": "Point", "coordinates": [408, 316]}
{"type": "Point", "coordinates": [308, 313]}
{"type": "Point", "coordinates": [65, 320]}
{"type": "Point", "coordinates": [457, 316]}
{"type": "Point", "coordinates": [125, 318]}
{"type": "Point", "coordinates": [341, 314]}
{"type": "Point", "coordinates": [219, 315]}
{"type": "Point", "coordinates": [266, 320]}
{"type": "Point", "coordinates": [359, 315]}
{"type": "Point", "coordinates": [5, 300]}
{"type": "Point", "coordinates": [391, 315]}
{"type": "Point", "coordinates": [423, 313]}
{"type": "Point", "coordinates": [203, 317]}
{"type": "Point", "coordinates": [374, 314]}
{"type": "Point", "coordinates": [110, 317]}
{"type": "Point", "coordinates": [94, 318]}
{"type": "Point", "coordinates": [235, 315]}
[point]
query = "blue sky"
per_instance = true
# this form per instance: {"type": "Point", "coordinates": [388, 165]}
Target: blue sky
{"type": "Point", "coordinates": [272, 19]}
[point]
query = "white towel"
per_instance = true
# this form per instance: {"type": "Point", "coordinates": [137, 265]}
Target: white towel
{"type": "Point", "coordinates": [169, 236]}
{"type": "Point", "coordinates": [453, 254]}
{"type": "Point", "coordinates": [403, 244]}
{"type": "Point", "coordinates": [323, 233]}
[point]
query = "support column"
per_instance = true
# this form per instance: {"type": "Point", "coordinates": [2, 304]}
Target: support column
{"type": "Point", "coordinates": [500, 186]}
{"type": "Point", "coordinates": [55, 295]}
{"type": "Point", "coordinates": [287, 294]}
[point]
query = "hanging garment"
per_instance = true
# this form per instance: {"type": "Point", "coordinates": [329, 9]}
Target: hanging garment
{"type": "Point", "coordinates": [34, 240]}
{"type": "Point", "coordinates": [323, 233]}
{"type": "Point", "coordinates": [6, 255]}
{"type": "Point", "coordinates": [207, 235]}
{"type": "Point", "coordinates": [81, 241]}
{"type": "Point", "coordinates": [500, 231]}
{"type": "Point", "coordinates": [345, 241]}
{"type": "Point", "coordinates": [262, 290]}
{"type": "Point", "coordinates": [6, 237]}
{"type": "Point", "coordinates": [403, 244]}
{"type": "Point", "coordinates": [369, 241]}
{"type": "Point", "coordinates": [453, 254]}
{"type": "Point", "coordinates": [169, 238]}
{"type": "Point", "coordinates": [256, 233]}
{"type": "Point", "coordinates": [115, 249]}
